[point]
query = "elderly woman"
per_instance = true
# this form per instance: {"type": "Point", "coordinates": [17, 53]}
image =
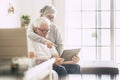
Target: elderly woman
{"type": "Point", "coordinates": [54, 39]}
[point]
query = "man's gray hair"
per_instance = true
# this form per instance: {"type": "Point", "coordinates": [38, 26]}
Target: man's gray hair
{"type": "Point", "coordinates": [41, 20]}
{"type": "Point", "coordinates": [47, 10]}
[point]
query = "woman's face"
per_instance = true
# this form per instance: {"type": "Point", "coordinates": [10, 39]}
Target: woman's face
{"type": "Point", "coordinates": [51, 17]}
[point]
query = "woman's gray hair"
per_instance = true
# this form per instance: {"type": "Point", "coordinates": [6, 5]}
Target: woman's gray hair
{"type": "Point", "coordinates": [47, 10]}
{"type": "Point", "coordinates": [40, 21]}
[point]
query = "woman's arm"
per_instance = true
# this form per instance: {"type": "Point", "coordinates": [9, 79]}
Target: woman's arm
{"type": "Point", "coordinates": [58, 39]}
{"type": "Point", "coordinates": [37, 38]}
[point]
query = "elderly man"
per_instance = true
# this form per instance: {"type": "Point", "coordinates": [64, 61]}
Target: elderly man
{"type": "Point", "coordinates": [43, 53]}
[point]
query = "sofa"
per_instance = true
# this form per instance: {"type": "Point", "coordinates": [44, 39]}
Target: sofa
{"type": "Point", "coordinates": [13, 43]}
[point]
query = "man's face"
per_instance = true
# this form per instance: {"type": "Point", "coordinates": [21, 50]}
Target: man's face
{"type": "Point", "coordinates": [43, 30]}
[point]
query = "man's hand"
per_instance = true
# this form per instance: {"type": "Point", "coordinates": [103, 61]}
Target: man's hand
{"type": "Point", "coordinates": [75, 59]}
{"type": "Point", "coordinates": [58, 61]}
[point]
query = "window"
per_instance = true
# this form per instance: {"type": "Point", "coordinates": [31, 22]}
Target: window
{"type": "Point", "coordinates": [94, 26]}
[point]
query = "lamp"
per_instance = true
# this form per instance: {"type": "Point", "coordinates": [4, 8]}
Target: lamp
{"type": "Point", "coordinates": [11, 9]}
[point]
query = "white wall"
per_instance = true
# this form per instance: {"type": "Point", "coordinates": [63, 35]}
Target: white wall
{"type": "Point", "coordinates": [60, 18]}
{"type": "Point", "coordinates": [30, 7]}
{"type": "Point", "coordinates": [5, 18]}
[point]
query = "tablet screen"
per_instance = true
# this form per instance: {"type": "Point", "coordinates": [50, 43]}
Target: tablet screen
{"type": "Point", "coordinates": [69, 53]}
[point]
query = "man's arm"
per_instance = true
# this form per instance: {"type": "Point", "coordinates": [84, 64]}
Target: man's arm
{"type": "Point", "coordinates": [55, 54]}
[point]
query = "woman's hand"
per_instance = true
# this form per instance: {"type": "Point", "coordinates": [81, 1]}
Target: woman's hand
{"type": "Point", "coordinates": [49, 44]}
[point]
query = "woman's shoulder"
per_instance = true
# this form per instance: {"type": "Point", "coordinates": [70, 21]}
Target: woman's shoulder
{"type": "Point", "coordinates": [53, 26]}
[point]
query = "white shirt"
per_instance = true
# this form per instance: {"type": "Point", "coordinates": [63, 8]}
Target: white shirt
{"type": "Point", "coordinates": [41, 51]}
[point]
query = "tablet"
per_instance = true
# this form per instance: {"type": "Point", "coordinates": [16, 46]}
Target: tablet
{"type": "Point", "coordinates": [69, 53]}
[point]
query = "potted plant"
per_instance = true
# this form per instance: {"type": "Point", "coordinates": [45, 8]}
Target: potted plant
{"type": "Point", "coordinates": [25, 20]}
